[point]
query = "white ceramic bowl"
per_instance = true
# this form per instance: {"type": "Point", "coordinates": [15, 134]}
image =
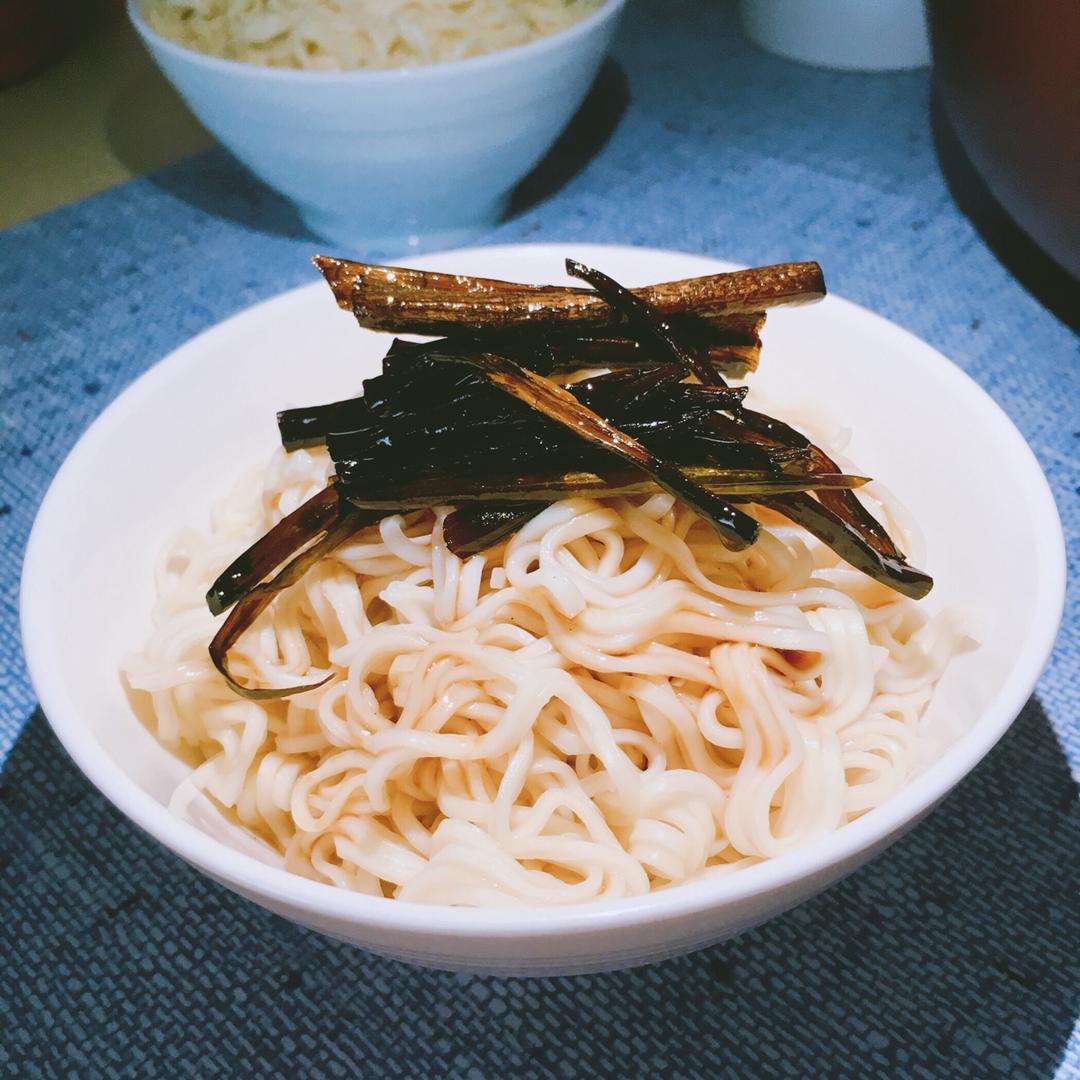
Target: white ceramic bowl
{"type": "Point", "coordinates": [850, 35]}
{"type": "Point", "coordinates": [382, 161]}
{"type": "Point", "coordinates": [148, 466]}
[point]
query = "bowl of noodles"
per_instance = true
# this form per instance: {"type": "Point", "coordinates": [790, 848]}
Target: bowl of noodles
{"type": "Point", "coordinates": [391, 126]}
{"type": "Point", "coordinates": [605, 737]}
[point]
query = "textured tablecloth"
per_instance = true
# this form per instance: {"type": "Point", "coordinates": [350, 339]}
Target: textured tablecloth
{"type": "Point", "coordinates": [954, 954]}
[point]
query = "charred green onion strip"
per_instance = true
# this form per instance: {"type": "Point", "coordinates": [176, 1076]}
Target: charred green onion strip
{"type": "Point", "coordinates": [347, 521]}
{"type": "Point", "coordinates": [736, 529]}
{"type": "Point", "coordinates": [479, 526]}
{"type": "Point", "coordinates": [849, 512]}
{"type": "Point", "coordinates": [551, 487]}
{"type": "Point", "coordinates": [647, 326]}
{"type": "Point", "coordinates": [383, 415]}
{"type": "Point", "coordinates": [304, 427]}
{"type": "Point", "coordinates": [850, 544]}
{"type": "Point", "coordinates": [731, 344]}
{"type": "Point", "coordinates": [426, 302]}
{"type": "Point", "coordinates": [282, 542]}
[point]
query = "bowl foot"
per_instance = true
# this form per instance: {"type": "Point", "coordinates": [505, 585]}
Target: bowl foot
{"type": "Point", "coordinates": [352, 235]}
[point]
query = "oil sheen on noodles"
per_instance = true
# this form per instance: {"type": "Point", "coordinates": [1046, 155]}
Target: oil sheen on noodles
{"type": "Point", "coordinates": [608, 703]}
{"type": "Point", "coordinates": [339, 35]}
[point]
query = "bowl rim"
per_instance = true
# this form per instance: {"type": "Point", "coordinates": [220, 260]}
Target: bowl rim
{"type": "Point", "coordinates": [316, 900]}
{"type": "Point", "coordinates": [607, 10]}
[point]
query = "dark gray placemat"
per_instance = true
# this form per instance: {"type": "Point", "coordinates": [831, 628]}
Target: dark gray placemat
{"type": "Point", "coordinates": [952, 955]}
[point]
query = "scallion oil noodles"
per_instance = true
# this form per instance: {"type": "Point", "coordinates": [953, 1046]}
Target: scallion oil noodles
{"type": "Point", "coordinates": [609, 701]}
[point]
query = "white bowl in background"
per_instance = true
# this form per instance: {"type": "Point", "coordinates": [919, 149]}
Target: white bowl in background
{"type": "Point", "coordinates": [849, 35]}
{"type": "Point", "coordinates": [404, 159]}
{"type": "Point", "coordinates": [173, 443]}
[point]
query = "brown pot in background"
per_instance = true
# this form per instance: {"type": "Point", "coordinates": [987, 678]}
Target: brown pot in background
{"type": "Point", "coordinates": [32, 34]}
{"type": "Point", "coordinates": [1007, 78]}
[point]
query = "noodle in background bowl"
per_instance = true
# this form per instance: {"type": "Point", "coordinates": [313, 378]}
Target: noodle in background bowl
{"type": "Point", "coordinates": [388, 160]}
{"type": "Point", "coordinates": [994, 540]}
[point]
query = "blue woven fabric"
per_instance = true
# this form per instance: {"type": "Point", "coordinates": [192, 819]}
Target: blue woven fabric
{"type": "Point", "coordinates": [954, 954]}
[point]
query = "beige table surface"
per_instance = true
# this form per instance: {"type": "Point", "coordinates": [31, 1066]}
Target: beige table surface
{"type": "Point", "coordinates": [95, 118]}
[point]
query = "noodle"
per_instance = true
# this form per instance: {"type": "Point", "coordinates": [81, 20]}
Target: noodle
{"type": "Point", "coordinates": [607, 702]}
{"type": "Point", "coordinates": [341, 35]}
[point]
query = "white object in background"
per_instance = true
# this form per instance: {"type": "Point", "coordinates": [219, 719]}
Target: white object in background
{"type": "Point", "coordinates": [852, 35]}
{"type": "Point", "coordinates": [390, 161]}
{"type": "Point", "coordinates": [86, 598]}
